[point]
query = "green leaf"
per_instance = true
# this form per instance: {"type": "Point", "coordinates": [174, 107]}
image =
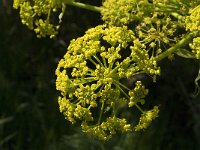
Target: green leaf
{"type": "Point", "coordinates": [184, 53]}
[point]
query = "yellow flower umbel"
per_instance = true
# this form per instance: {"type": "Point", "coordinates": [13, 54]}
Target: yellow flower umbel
{"type": "Point", "coordinates": [89, 75]}
{"type": "Point", "coordinates": [35, 14]}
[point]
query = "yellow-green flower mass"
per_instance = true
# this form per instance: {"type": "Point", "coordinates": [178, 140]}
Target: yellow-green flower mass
{"type": "Point", "coordinates": [89, 75]}
{"type": "Point", "coordinates": [193, 20]}
{"type": "Point", "coordinates": [195, 46]}
{"type": "Point", "coordinates": [193, 24]}
{"type": "Point", "coordinates": [118, 12]}
{"type": "Point", "coordinates": [35, 14]}
{"type": "Point", "coordinates": [107, 129]}
{"type": "Point", "coordinates": [146, 118]}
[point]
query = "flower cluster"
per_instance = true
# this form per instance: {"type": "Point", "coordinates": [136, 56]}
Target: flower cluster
{"type": "Point", "coordinates": [157, 34]}
{"type": "Point", "coordinates": [107, 129]}
{"type": "Point", "coordinates": [32, 14]}
{"type": "Point", "coordinates": [146, 118]}
{"type": "Point", "coordinates": [89, 78]}
{"type": "Point", "coordinates": [123, 12]}
{"type": "Point", "coordinates": [195, 46]}
{"type": "Point", "coordinates": [137, 94]}
{"type": "Point", "coordinates": [72, 111]}
{"type": "Point", "coordinates": [117, 12]}
{"type": "Point", "coordinates": [192, 22]}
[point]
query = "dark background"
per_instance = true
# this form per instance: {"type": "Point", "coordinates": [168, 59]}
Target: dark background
{"type": "Point", "coordinates": [29, 113]}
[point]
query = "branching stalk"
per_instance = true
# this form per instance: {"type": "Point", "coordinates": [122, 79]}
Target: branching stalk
{"type": "Point", "coordinates": [171, 50]}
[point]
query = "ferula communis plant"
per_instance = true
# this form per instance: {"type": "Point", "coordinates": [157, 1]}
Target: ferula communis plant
{"type": "Point", "coordinates": [136, 35]}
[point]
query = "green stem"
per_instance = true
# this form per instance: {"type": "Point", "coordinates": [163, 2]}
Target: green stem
{"type": "Point", "coordinates": [114, 109]}
{"type": "Point", "coordinates": [110, 66]}
{"type": "Point", "coordinates": [138, 107]}
{"type": "Point", "coordinates": [82, 5]}
{"type": "Point", "coordinates": [171, 50]}
{"type": "Point", "coordinates": [118, 87]}
{"type": "Point", "coordinates": [176, 15]}
{"type": "Point", "coordinates": [48, 16]}
{"type": "Point", "coordinates": [92, 61]}
{"type": "Point", "coordinates": [97, 59]}
{"type": "Point", "coordinates": [89, 79]}
{"type": "Point", "coordinates": [104, 62]}
{"type": "Point", "coordinates": [122, 85]}
{"type": "Point", "coordinates": [100, 116]}
{"type": "Point", "coordinates": [115, 69]}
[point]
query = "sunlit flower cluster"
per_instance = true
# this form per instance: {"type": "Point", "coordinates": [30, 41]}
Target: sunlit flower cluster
{"type": "Point", "coordinates": [36, 15]}
{"type": "Point", "coordinates": [89, 79]}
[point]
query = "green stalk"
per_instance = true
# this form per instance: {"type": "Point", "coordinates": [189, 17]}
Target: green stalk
{"type": "Point", "coordinates": [82, 5]}
{"type": "Point", "coordinates": [97, 59]}
{"type": "Point", "coordinates": [102, 107]}
{"type": "Point", "coordinates": [92, 61]}
{"type": "Point", "coordinates": [122, 85]}
{"type": "Point", "coordinates": [139, 108]}
{"type": "Point", "coordinates": [104, 62]}
{"type": "Point", "coordinates": [181, 43]}
{"type": "Point", "coordinates": [176, 15]}
{"type": "Point", "coordinates": [118, 87]}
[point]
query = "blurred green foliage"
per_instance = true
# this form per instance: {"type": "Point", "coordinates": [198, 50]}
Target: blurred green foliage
{"type": "Point", "coordinates": [29, 113]}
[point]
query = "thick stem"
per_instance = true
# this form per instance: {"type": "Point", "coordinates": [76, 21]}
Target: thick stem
{"type": "Point", "coordinates": [171, 50]}
{"type": "Point", "coordinates": [82, 5]}
{"type": "Point", "coordinates": [176, 15]}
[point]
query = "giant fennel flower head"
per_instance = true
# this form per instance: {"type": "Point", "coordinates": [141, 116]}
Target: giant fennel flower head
{"type": "Point", "coordinates": [36, 15]}
{"type": "Point", "coordinates": [89, 76]}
